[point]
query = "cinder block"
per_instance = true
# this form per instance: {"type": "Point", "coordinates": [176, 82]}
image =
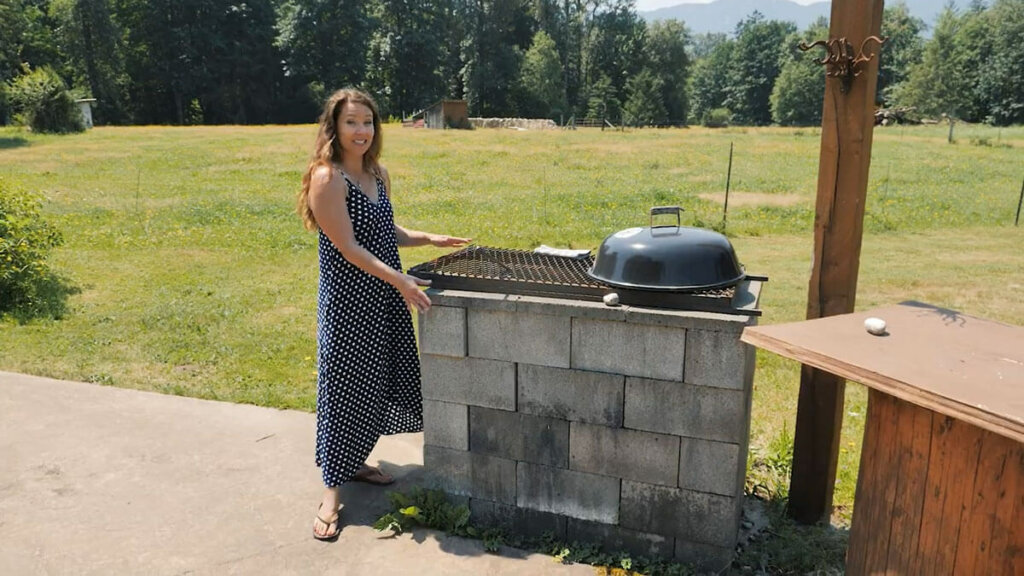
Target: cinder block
{"type": "Point", "coordinates": [689, 319]}
{"type": "Point", "coordinates": [447, 469]}
{"type": "Point", "coordinates": [717, 359]}
{"type": "Point", "coordinates": [704, 557]}
{"type": "Point", "coordinates": [467, 474]}
{"type": "Point", "coordinates": [618, 539]}
{"type": "Point", "coordinates": [686, 410]}
{"type": "Point", "coordinates": [521, 521]}
{"type": "Point", "coordinates": [475, 300]}
{"type": "Point", "coordinates": [630, 349]}
{"type": "Point", "coordinates": [574, 308]}
{"type": "Point", "coordinates": [472, 381]}
{"type": "Point", "coordinates": [574, 494]}
{"type": "Point", "coordinates": [519, 337]}
{"type": "Point", "coordinates": [446, 424]}
{"type": "Point", "coordinates": [576, 395]}
{"type": "Point", "coordinates": [707, 466]}
{"type": "Point", "coordinates": [519, 436]}
{"type": "Point", "coordinates": [640, 456]}
{"type": "Point", "coordinates": [693, 516]}
{"type": "Point", "coordinates": [443, 331]}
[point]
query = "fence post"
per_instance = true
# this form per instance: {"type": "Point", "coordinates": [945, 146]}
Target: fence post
{"type": "Point", "coordinates": [1016, 220]}
{"type": "Point", "coordinates": [728, 179]}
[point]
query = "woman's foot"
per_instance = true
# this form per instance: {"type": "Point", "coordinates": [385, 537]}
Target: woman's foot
{"type": "Point", "coordinates": [325, 526]}
{"type": "Point", "coordinates": [373, 475]}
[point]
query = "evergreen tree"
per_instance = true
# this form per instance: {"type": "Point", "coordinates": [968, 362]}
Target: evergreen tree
{"type": "Point", "coordinates": [710, 80]}
{"type": "Point", "coordinates": [669, 62]}
{"type": "Point", "coordinates": [644, 106]}
{"type": "Point", "coordinates": [244, 65]}
{"type": "Point", "coordinates": [614, 46]}
{"type": "Point", "coordinates": [902, 48]}
{"type": "Point", "coordinates": [754, 65]}
{"type": "Point", "coordinates": [407, 55]}
{"type": "Point", "coordinates": [799, 91]}
{"type": "Point", "coordinates": [602, 100]}
{"type": "Point", "coordinates": [936, 85]}
{"type": "Point", "coordinates": [90, 42]}
{"type": "Point", "coordinates": [498, 32]}
{"type": "Point", "coordinates": [324, 41]}
{"type": "Point", "coordinates": [1001, 77]}
{"type": "Point", "coordinates": [541, 80]}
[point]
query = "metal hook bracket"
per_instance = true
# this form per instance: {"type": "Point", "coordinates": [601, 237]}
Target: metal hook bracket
{"type": "Point", "coordinates": [840, 60]}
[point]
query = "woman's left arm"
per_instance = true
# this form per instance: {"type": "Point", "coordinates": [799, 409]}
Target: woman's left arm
{"type": "Point", "coordinates": [408, 238]}
{"type": "Point", "coordinates": [417, 238]}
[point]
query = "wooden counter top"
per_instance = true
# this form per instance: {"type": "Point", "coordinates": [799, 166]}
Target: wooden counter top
{"type": "Point", "coordinates": [958, 365]}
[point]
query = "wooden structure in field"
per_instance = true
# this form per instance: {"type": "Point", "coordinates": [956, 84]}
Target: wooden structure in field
{"type": "Point", "coordinates": [444, 114]}
{"type": "Point", "coordinates": [941, 482]}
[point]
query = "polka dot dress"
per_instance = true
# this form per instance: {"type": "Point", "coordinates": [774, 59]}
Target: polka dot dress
{"type": "Point", "coordinates": [368, 377]}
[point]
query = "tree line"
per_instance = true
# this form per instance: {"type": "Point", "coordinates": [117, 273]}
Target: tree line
{"type": "Point", "coordinates": [274, 61]}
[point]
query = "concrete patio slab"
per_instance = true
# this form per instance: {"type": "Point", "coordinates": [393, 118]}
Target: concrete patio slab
{"type": "Point", "coordinates": [101, 480]}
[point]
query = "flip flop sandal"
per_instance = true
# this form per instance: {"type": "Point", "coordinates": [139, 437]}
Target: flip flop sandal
{"type": "Point", "coordinates": [373, 475]}
{"type": "Point", "coordinates": [330, 536]}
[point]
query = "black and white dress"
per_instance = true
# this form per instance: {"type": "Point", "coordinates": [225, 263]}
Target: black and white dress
{"type": "Point", "coordinates": [368, 370]}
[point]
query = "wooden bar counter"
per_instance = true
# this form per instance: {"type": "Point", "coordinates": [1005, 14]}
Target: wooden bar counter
{"type": "Point", "coordinates": [941, 482]}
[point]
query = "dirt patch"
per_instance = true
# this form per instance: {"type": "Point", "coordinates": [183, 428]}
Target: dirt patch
{"type": "Point", "coordinates": [753, 198]}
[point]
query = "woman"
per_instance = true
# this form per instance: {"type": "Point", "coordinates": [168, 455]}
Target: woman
{"type": "Point", "coordinates": [368, 373]}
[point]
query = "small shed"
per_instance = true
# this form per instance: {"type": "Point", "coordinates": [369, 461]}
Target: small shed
{"type": "Point", "coordinates": [86, 104]}
{"type": "Point", "coordinates": [445, 114]}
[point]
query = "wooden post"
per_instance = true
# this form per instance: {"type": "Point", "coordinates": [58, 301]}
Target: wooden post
{"type": "Point", "coordinates": [847, 125]}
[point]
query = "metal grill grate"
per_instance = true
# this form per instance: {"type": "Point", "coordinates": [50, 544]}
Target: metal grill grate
{"type": "Point", "coordinates": [484, 269]}
{"type": "Point", "coordinates": [512, 265]}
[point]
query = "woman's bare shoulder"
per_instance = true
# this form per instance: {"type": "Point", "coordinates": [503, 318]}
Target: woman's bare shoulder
{"type": "Point", "coordinates": [323, 180]}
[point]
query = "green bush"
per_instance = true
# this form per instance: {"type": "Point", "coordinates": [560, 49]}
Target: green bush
{"type": "Point", "coordinates": [4, 105]}
{"type": "Point", "coordinates": [717, 118]}
{"type": "Point", "coordinates": [28, 288]}
{"type": "Point", "coordinates": [42, 101]}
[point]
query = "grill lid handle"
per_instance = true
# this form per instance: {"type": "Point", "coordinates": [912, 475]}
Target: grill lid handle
{"type": "Point", "coordinates": [658, 210]}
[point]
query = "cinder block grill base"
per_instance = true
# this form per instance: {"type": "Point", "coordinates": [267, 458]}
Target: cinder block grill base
{"type": "Point", "coordinates": [625, 426]}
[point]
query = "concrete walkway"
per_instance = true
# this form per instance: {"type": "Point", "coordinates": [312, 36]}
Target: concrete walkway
{"type": "Point", "coordinates": [100, 480]}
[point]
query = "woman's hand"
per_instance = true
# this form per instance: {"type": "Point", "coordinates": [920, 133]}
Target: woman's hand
{"type": "Point", "coordinates": [409, 287]}
{"type": "Point", "coordinates": [442, 241]}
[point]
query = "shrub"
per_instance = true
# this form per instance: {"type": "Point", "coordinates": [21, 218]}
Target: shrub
{"type": "Point", "coordinates": [4, 105]}
{"type": "Point", "coordinates": [42, 101]}
{"type": "Point", "coordinates": [28, 288]}
{"type": "Point", "coordinates": [716, 118]}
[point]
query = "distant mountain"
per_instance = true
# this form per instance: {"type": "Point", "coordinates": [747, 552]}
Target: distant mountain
{"type": "Point", "coordinates": [724, 15]}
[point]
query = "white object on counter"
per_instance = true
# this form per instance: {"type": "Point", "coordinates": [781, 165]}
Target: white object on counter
{"type": "Point", "coordinates": [875, 326]}
{"type": "Point", "coordinates": [611, 299]}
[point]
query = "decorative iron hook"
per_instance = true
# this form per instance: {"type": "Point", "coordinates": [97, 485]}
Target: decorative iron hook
{"type": "Point", "coordinates": [840, 60]}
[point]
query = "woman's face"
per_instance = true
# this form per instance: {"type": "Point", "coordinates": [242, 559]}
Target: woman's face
{"type": "Point", "coordinates": [355, 128]}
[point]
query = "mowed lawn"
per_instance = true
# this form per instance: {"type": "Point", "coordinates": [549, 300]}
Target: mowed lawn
{"type": "Point", "coordinates": [196, 278]}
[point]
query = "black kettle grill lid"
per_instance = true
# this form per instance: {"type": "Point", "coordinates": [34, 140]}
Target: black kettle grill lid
{"type": "Point", "coordinates": [669, 257]}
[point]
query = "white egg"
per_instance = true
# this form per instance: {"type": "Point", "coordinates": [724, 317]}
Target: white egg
{"type": "Point", "coordinates": [875, 326]}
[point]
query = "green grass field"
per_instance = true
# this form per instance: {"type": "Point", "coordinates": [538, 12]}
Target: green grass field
{"type": "Point", "coordinates": [196, 277]}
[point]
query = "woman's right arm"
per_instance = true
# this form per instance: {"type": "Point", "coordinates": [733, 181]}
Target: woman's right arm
{"type": "Point", "coordinates": [327, 201]}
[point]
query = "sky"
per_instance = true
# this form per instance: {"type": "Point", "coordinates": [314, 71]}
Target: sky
{"type": "Point", "coordinates": [645, 5]}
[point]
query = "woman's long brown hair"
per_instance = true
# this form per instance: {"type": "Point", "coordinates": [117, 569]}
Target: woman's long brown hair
{"type": "Point", "coordinates": [327, 150]}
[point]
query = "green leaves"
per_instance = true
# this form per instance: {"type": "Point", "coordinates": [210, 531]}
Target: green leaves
{"type": "Point", "coordinates": [42, 101]}
{"type": "Point", "coordinates": [28, 288]}
{"type": "Point", "coordinates": [427, 508]}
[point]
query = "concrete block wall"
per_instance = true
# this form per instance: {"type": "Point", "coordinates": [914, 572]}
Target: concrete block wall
{"type": "Point", "coordinates": [625, 426]}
